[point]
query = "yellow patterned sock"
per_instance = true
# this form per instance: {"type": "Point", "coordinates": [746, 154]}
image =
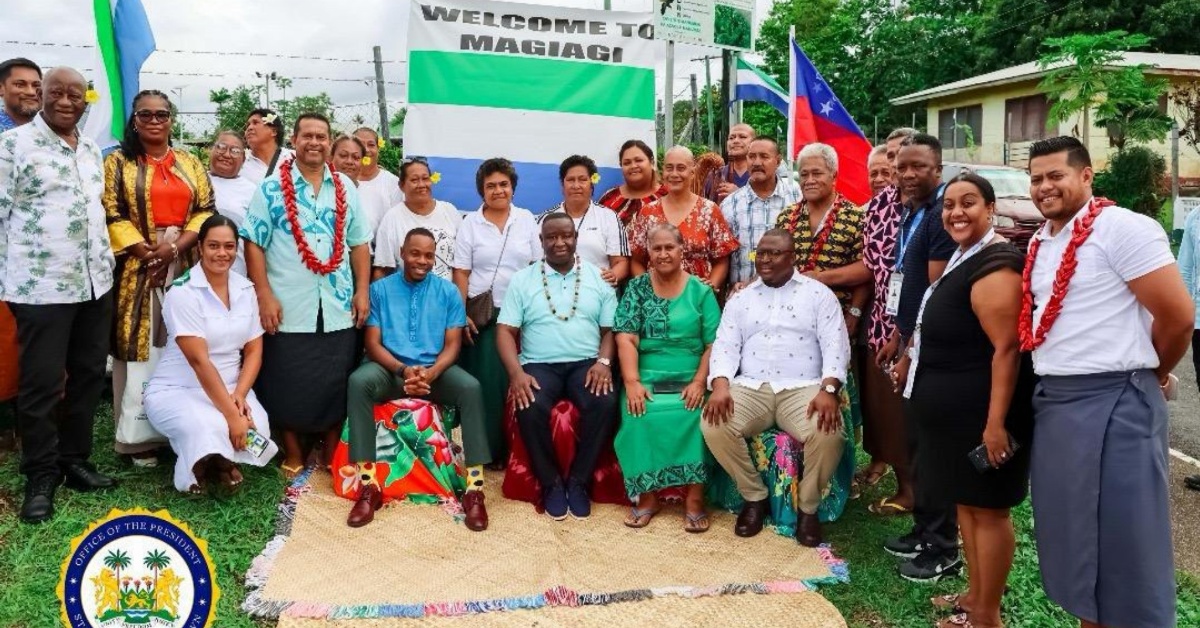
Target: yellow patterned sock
{"type": "Point", "coordinates": [475, 478]}
{"type": "Point", "coordinates": [366, 473]}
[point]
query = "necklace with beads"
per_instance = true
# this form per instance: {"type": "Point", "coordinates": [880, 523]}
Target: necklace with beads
{"type": "Point", "coordinates": [574, 299]}
{"type": "Point", "coordinates": [1031, 340]}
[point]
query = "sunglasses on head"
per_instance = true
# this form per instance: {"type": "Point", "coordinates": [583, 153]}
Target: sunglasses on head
{"type": "Point", "coordinates": [146, 115]}
{"type": "Point", "coordinates": [414, 160]}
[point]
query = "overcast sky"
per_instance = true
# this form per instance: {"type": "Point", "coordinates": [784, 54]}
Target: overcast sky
{"type": "Point", "coordinates": [318, 28]}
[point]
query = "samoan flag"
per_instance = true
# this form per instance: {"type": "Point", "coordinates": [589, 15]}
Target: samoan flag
{"type": "Point", "coordinates": [818, 116]}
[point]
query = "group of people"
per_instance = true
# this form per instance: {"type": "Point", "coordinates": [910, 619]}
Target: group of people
{"type": "Point", "coordinates": [727, 304]}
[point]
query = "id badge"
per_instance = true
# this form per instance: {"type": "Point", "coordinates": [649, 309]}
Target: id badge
{"type": "Point", "coordinates": [256, 443]}
{"type": "Point", "coordinates": [895, 283]}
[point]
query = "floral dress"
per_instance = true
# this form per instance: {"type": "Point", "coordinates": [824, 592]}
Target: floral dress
{"type": "Point", "coordinates": [626, 208]}
{"type": "Point", "coordinates": [879, 254]}
{"type": "Point", "coordinates": [706, 236]}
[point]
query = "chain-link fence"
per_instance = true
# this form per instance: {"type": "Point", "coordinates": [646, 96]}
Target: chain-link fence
{"type": "Point", "coordinates": [199, 128]}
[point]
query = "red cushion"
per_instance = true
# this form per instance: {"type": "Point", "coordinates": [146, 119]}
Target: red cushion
{"type": "Point", "coordinates": [608, 485]}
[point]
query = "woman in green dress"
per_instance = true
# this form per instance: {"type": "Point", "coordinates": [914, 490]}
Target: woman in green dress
{"type": "Point", "coordinates": [665, 326]}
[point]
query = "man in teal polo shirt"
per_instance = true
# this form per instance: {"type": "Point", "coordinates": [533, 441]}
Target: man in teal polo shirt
{"type": "Point", "coordinates": [561, 311]}
{"type": "Point", "coordinates": [413, 336]}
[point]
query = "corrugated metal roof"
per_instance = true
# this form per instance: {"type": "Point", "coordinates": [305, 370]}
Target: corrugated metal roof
{"type": "Point", "coordinates": [1160, 64]}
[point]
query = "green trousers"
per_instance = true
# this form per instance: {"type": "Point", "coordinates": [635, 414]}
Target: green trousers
{"type": "Point", "coordinates": [371, 384]}
{"type": "Point", "coordinates": [483, 361]}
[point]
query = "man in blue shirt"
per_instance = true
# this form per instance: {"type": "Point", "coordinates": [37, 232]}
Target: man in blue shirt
{"type": "Point", "coordinates": [413, 335]}
{"type": "Point", "coordinates": [20, 90]}
{"type": "Point", "coordinates": [561, 311]}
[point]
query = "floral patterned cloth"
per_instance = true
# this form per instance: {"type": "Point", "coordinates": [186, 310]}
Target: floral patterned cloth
{"type": "Point", "coordinates": [879, 254]}
{"type": "Point", "coordinates": [54, 244]}
{"type": "Point", "coordinates": [417, 461]}
{"type": "Point", "coordinates": [706, 236]}
{"type": "Point", "coordinates": [626, 208]}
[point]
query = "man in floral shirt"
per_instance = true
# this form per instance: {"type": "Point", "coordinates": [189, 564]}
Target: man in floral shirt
{"type": "Point", "coordinates": [56, 273]}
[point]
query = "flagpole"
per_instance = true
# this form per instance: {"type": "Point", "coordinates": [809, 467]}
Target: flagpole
{"type": "Point", "coordinates": [791, 138]}
{"type": "Point", "coordinates": [669, 98]}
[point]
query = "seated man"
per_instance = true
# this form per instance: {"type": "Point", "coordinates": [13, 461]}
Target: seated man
{"type": "Point", "coordinates": [413, 335]}
{"type": "Point", "coordinates": [561, 311]}
{"type": "Point", "coordinates": [780, 358]}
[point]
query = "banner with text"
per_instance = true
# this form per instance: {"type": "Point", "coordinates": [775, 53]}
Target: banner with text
{"type": "Point", "coordinates": [535, 84]}
{"type": "Point", "coordinates": [722, 23]}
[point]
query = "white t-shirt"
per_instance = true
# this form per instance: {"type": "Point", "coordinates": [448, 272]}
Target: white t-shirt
{"type": "Point", "coordinates": [377, 196]}
{"type": "Point", "coordinates": [600, 235]}
{"type": "Point", "coordinates": [478, 245]}
{"type": "Point", "coordinates": [443, 221]}
{"type": "Point", "coordinates": [255, 169]}
{"type": "Point", "coordinates": [1102, 328]}
{"type": "Point", "coordinates": [232, 197]}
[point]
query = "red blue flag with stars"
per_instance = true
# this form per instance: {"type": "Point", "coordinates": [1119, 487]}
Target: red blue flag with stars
{"type": "Point", "coordinates": [818, 116]}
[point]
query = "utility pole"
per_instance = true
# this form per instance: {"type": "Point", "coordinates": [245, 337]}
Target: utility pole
{"type": "Point", "coordinates": [695, 113]}
{"type": "Point", "coordinates": [659, 121]}
{"type": "Point", "coordinates": [267, 77]}
{"type": "Point", "coordinates": [383, 117]}
{"type": "Point", "coordinates": [727, 61]}
{"type": "Point", "coordinates": [179, 108]}
{"type": "Point", "coordinates": [708, 97]}
{"type": "Point", "coordinates": [669, 105]}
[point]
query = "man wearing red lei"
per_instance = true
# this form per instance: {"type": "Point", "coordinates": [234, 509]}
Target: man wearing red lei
{"type": "Point", "coordinates": [307, 254]}
{"type": "Point", "coordinates": [1107, 317]}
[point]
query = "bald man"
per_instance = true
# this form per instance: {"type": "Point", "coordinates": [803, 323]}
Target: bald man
{"type": "Point", "coordinates": [736, 171]}
{"type": "Point", "coordinates": [56, 273]}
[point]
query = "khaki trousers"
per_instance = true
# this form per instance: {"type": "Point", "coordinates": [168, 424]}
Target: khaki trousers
{"type": "Point", "coordinates": [755, 410]}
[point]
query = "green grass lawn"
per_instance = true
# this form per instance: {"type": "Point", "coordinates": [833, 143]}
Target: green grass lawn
{"type": "Point", "coordinates": [237, 528]}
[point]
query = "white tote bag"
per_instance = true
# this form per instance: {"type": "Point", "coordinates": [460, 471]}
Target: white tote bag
{"type": "Point", "coordinates": [133, 427]}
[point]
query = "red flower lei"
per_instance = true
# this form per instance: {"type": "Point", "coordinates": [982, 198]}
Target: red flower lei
{"type": "Point", "coordinates": [293, 218]}
{"type": "Point", "coordinates": [822, 235]}
{"type": "Point", "coordinates": [1062, 278]}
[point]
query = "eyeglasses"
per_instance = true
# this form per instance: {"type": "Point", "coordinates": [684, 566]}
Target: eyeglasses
{"type": "Point", "coordinates": [761, 253]}
{"type": "Point", "coordinates": [145, 115]}
{"type": "Point", "coordinates": [222, 147]}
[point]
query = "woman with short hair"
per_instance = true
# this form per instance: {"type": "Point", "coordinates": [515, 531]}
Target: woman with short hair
{"type": "Point", "coordinates": [419, 209]}
{"type": "Point", "coordinates": [346, 155]}
{"type": "Point", "coordinates": [200, 397]}
{"type": "Point", "coordinates": [600, 236]}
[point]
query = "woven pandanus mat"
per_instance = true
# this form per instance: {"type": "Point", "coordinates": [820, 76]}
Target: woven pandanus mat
{"type": "Point", "coordinates": [417, 561]}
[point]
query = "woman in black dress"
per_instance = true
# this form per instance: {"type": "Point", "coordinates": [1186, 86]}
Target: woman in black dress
{"type": "Point", "coordinates": [973, 387]}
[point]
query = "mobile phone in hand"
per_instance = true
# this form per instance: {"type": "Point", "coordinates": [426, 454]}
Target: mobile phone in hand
{"type": "Point", "coordinates": [256, 443]}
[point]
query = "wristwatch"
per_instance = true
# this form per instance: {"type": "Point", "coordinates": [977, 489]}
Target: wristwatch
{"type": "Point", "coordinates": [605, 361]}
{"type": "Point", "coordinates": [855, 312]}
{"type": "Point", "coordinates": [831, 389]}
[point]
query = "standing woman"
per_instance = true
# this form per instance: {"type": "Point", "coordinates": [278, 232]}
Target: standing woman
{"type": "Point", "coordinates": [347, 156]}
{"type": "Point", "coordinates": [600, 235]}
{"type": "Point", "coordinates": [708, 240]}
{"type": "Point", "coordinates": [156, 198]}
{"type": "Point", "coordinates": [418, 209]}
{"type": "Point", "coordinates": [641, 185]}
{"type": "Point", "coordinates": [264, 135]}
{"type": "Point", "coordinates": [492, 244]}
{"type": "Point", "coordinates": [968, 386]}
{"type": "Point", "coordinates": [200, 396]}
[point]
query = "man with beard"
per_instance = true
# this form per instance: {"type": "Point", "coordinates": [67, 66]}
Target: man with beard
{"type": "Point", "coordinates": [56, 273]}
{"type": "Point", "coordinates": [780, 358]}
{"type": "Point", "coordinates": [1107, 317]}
{"type": "Point", "coordinates": [20, 90]}
{"type": "Point", "coordinates": [231, 191]}
{"type": "Point", "coordinates": [306, 252]}
{"type": "Point", "coordinates": [751, 210]}
{"type": "Point", "coordinates": [560, 312]}
{"type": "Point", "coordinates": [736, 172]}
{"type": "Point", "coordinates": [414, 332]}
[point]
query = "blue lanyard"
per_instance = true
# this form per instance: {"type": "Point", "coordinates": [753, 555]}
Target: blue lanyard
{"type": "Point", "coordinates": [904, 238]}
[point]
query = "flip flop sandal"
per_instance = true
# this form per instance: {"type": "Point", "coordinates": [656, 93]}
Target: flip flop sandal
{"type": "Point", "coordinates": [888, 508]}
{"type": "Point", "coordinates": [961, 620]}
{"type": "Point", "coordinates": [948, 603]}
{"type": "Point", "coordinates": [696, 524]}
{"type": "Point", "coordinates": [855, 489]}
{"type": "Point", "coordinates": [1192, 482]}
{"type": "Point", "coordinates": [871, 479]}
{"type": "Point", "coordinates": [290, 472]}
{"type": "Point", "coordinates": [638, 514]}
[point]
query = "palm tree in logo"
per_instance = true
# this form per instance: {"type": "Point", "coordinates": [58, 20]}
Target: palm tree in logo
{"type": "Point", "coordinates": [117, 560]}
{"type": "Point", "coordinates": [155, 561]}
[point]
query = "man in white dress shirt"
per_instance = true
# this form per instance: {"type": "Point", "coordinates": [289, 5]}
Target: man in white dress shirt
{"type": "Point", "coordinates": [780, 358]}
{"type": "Point", "coordinates": [231, 190]}
{"type": "Point", "coordinates": [1107, 317]}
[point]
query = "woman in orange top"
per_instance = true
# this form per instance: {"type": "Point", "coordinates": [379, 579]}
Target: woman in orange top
{"type": "Point", "coordinates": [156, 198]}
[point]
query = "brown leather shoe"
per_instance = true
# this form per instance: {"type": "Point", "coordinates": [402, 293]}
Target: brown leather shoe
{"type": "Point", "coordinates": [363, 512]}
{"type": "Point", "coordinates": [750, 521]}
{"type": "Point", "coordinates": [808, 530]}
{"type": "Point", "coordinates": [477, 518]}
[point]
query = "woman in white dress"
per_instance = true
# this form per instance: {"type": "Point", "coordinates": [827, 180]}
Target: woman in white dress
{"type": "Point", "coordinates": [200, 396]}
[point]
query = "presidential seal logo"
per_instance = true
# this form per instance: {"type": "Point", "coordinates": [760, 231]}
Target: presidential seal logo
{"type": "Point", "coordinates": [135, 569]}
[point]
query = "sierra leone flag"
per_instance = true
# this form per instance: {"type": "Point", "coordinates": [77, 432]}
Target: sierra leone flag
{"type": "Point", "coordinates": [754, 84]}
{"type": "Point", "coordinates": [124, 41]}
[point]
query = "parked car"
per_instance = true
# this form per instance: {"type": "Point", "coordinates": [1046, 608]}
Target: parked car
{"type": "Point", "coordinates": [1017, 218]}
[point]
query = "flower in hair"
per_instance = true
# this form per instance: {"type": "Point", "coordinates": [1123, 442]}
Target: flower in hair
{"type": "Point", "coordinates": [595, 178]}
{"type": "Point", "coordinates": [270, 118]}
{"type": "Point", "coordinates": [435, 177]}
{"type": "Point", "coordinates": [91, 96]}
{"type": "Point", "coordinates": [366, 161]}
